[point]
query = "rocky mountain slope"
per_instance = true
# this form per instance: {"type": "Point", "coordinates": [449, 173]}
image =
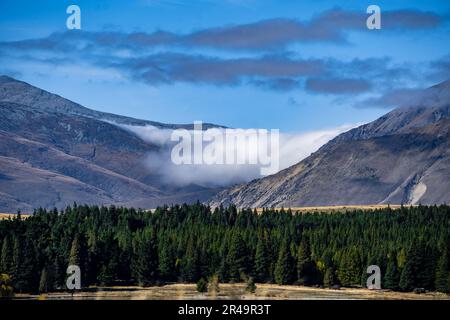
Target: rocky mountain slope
{"type": "Point", "coordinates": [54, 152]}
{"type": "Point", "coordinates": [402, 157]}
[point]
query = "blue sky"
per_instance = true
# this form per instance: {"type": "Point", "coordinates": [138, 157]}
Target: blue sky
{"type": "Point", "coordinates": [293, 65]}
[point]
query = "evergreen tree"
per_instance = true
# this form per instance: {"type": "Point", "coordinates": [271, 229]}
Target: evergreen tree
{"type": "Point", "coordinates": [23, 275]}
{"type": "Point", "coordinates": [407, 278]}
{"type": "Point", "coordinates": [237, 258]}
{"type": "Point", "coordinates": [202, 285]}
{"type": "Point", "coordinates": [305, 266]}
{"type": "Point", "coordinates": [43, 282]}
{"type": "Point", "coordinates": [6, 289]}
{"type": "Point", "coordinates": [108, 273]}
{"type": "Point", "coordinates": [18, 264]}
{"type": "Point", "coordinates": [93, 263]}
{"type": "Point", "coordinates": [251, 286]}
{"type": "Point", "coordinates": [262, 261]}
{"type": "Point", "coordinates": [78, 256]}
{"type": "Point", "coordinates": [145, 260]}
{"type": "Point", "coordinates": [120, 244]}
{"type": "Point", "coordinates": [442, 279]}
{"type": "Point", "coordinates": [190, 264]}
{"type": "Point", "coordinates": [283, 267]}
{"type": "Point", "coordinates": [74, 258]}
{"type": "Point", "coordinates": [409, 273]}
{"type": "Point", "coordinates": [166, 261]}
{"type": "Point", "coordinates": [392, 277]}
{"type": "Point", "coordinates": [7, 256]}
{"type": "Point", "coordinates": [223, 267]}
{"type": "Point", "coordinates": [350, 269]}
{"type": "Point", "coordinates": [329, 278]}
{"type": "Point", "coordinates": [426, 264]}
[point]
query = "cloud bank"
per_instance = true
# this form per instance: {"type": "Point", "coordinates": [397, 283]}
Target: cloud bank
{"type": "Point", "coordinates": [328, 26]}
{"type": "Point", "coordinates": [256, 53]}
{"type": "Point", "coordinates": [294, 147]}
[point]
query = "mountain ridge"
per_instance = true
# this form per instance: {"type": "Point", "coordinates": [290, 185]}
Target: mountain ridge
{"type": "Point", "coordinates": [21, 92]}
{"type": "Point", "coordinates": [54, 152]}
{"type": "Point", "coordinates": [402, 157]}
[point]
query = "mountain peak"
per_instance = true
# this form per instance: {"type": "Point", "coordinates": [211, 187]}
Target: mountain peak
{"type": "Point", "coordinates": [5, 79]}
{"type": "Point", "coordinates": [20, 92]}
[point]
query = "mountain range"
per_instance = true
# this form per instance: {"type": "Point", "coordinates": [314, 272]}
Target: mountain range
{"type": "Point", "coordinates": [54, 152]}
{"type": "Point", "coordinates": [402, 157]}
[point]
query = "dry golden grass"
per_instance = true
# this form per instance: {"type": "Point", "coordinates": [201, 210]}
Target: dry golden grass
{"type": "Point", "coordinates": [12, 215]}
{"type": "Point", "coordinates": [343, 208]}
{"type": "Point", "coordinates": [235, 291]}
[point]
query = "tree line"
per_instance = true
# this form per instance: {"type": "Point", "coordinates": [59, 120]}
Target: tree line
{"type": "Point", "coordinates": [188, 243]}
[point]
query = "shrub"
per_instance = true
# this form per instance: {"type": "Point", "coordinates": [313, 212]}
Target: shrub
{"type": "Point", "coordinates": [6, 290]}
{"type": "Point", "coordinates": [202, 285]}
{"type": "Point", "coordinates": [251, 286]}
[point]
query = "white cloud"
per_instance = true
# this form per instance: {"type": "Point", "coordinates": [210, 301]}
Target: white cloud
{"type": "Point", "coordinates": [148, 133]}
{"type": "Point", "coordinates": [294, 147]}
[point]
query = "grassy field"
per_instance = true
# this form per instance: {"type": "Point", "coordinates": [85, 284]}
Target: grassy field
{"type": "Point", "coordinates": [12, 215]}
{"type": "Point", "coordinates": [234, 291]}
{"type": "Point", "coordinates": [340, 208]}
{"type": "Point", "coordinates": [343, 208]}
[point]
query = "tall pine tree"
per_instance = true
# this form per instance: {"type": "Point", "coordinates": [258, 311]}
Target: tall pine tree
{"type": "Point", "coordinates": [6, 256]}
{"type": "Point", "coordinates": [145, 259]}
{"type": "Point", "coordinates": [262, 261]}
{"type": "Point", "coordinates": [392, 276]}
{"type": "Point", "coordinates": [305, 266]}
{"type": "Point", "coordinates": [237, 259]}
{"type": "Point", "coordinates": [442, 279]}
{"type": "Point", "coordinates": [284, 266]}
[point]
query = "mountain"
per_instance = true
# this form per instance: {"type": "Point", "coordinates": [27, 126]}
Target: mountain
{"type": "Point", "coordinates": [12, 90]}
{"type": "Point", "coordinates": [54, 152]}
{"type": "Point", "coordinates": [402, 157]}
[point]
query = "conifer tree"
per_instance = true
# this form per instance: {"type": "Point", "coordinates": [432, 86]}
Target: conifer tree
{"type": "Point", "coordinates": [262, 261]}
{"type": "Point", "coordinates": [145, 260]}
{"type": "Point", "coordinates": [75, 254]}
{"type": "Point", "coordinates": [43, 282]}
{"type": "Point", "coordinates": [166, 261]}
{"type": "Point", "coordinates": [442, 279]}
{"type": "Point", "coordinates": [329, 278]}
{"type": "Point", "coordinates": [425, 264]}
{"type": "Point", "coordinates": [112, 244]}
{"type": "Point", "coordinates": [237, 258]}
{"type": "Point", "coordinates": [407, 278]}
{"type": "Point", "coordinates": [305, 267]}
{"type": "Point", "coordinates": [190, 264]}
{"type": "Point", "coordinates": [222, 273]}
{"type": "Point", "coordinates": [392, 278]}
{"type": "Point", "coordinates": [6, 256]}
{"type": "Point", "coordinates": [202, 285]}
{"type": "Point", "coordinates": [350, 270]}
{"type": "Point", "coordinates": [23, 275]}
{"type": "Point", "coordinates": [409, 273]}
{"type": "Point", "coordinates": [284, 265]}
{"type": "Point", "coordinates": [108, 272]}
{"type": "Point", "coordinates": [251, 286]}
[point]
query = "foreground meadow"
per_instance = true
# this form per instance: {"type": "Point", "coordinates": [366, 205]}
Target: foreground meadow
{"type": "Point", "coordinates": [235, 292]}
